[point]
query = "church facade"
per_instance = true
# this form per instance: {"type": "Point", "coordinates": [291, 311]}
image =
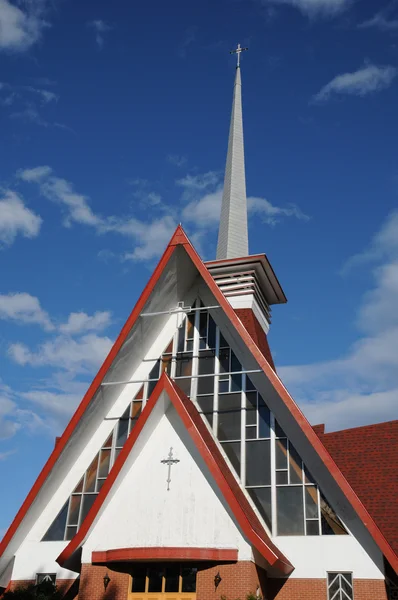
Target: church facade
{"type": "Point", "coordinates": [188, 472]}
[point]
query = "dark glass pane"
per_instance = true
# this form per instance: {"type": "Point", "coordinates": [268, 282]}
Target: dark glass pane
{"type": "Point", "coordinates": [151, 387]}
{"type": "Point", "coordinates": [88, 501]}
{"type": "Point", "coordinates": [307, 476]}
{"type": "Point", "coordinates": [172, 574]}
{"type": "Point", "coordinates": [258, 462]}
{"type": "Point", "coordinates": [73, 518]}
{"type": "Point", "coordinates": [122, 430]}
{"type": "Point", "coordinates": [70, 532]}
{"type": "Point", "coordinates": [181, 336]}
{"type": "Point", "coordinates": [251, 432]}
{"type": "Point", "coordinates": [136, 408]}
{"type": "Point", "coordinates": [184, 364]}
{"type": "Point", "coordinates": [203, 324]}
{"type": "Point", "coordinates": [56, 531]}
{"type": "Point", "coordinates": [312, 527]}
{"type": "Point", "coordinates": [290, 510]}
{"type": "Point", "coordinates": [184, 385]}
{"type": "Point", "coordinates": [138, 574]}
{"type": "Point", "coordinates": [188, 579]}
{"type": "Point", "coordinates": [331, 524]}
{"type": "Point", "coordinates": [333, 584]}
{"type": "Point", "coordinates": [346, 584]}
{"type": "Point", "coordinates": [205, 385]}
{"type": "Point", "coordinates": [79, 488]}
{"type": "Point", "coordinates": [311, 502]}
{"type": "Point", "coordinates": [251, 408]}
{"type": "Point", "coordinates": [223, 341]}
{"type": "Point", "coordinates": [236, 383]}
{"type": "Point", "coordinates": [108, 443]}
{"type": "Point", "coordinates": [232, 450]}
{"type": "Point", "coordinates": [224, 360]}
{"type": "Point", "coordinates": [169, 349]}
{"type": "Point", "coordinates": [223, 385]}
{"type": "Point", "coordinates": [229, 425]}
{"type": "Point", "coordinates": [235, 364]}
{"type": "Point", "coordinates": [211, 340]}
{"type": "Point", "coordinates": [296, 475]}
{"type": "Point", "coordinates": [206, 405]}
{"type": "Point", "coordinates": [100, 483]}
{"type": "Point", "coordinates": [262, 499]}
{"type": "Point", "coordinates": [206, 363]}
{"type": "Point", "coordinates": [264, 419]}
{"type": "Point", "coordinates": [249, 385]}
{"type": "Point", "coordinates": [281, 454]}
{"type": "Point", "coordinates": [230, 402]}
{"type": "Point", "coordinates": [281, 478]}
{"type": "Point", "coordinates": [189, 345]}
{"type": "Point", "coordinates": [91, 476]}
{"type": "Point", "coordinates": [117, 452]}
{"type": "Point", "coordinates": [190, 325]}
{"type": "Point", "coordinates": [155, 578]}
{"type": "Point", "coordinates": [154, 373]}
{"type": "Point", "coordinates": [104, 463]}
{"type": "Point", "coordinates": [278, 430]}
{"type": "Point", "coordinates": [140, 394]}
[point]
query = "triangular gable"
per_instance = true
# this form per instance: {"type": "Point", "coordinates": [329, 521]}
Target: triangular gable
{"type": "Point", "coordinates": [210, 453]}
{"type": "Point", "coordinates": [287, 409]}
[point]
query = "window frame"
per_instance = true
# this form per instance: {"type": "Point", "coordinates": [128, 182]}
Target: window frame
{"type": "Point", "coordinates": [340, 594]}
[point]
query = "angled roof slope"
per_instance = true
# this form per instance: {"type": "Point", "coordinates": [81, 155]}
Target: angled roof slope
{"type": "Point", "coordinates": [368, 458]}
{"type": "Point", "coordinates": [213, 458]}
{"type": "Point", "coordinates": [178, 243]}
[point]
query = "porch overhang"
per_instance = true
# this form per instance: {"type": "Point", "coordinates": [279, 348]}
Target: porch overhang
{"type": "Point", "coordinates": [148, 554]}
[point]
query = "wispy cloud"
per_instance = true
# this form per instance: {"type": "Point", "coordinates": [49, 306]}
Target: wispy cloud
{"type": "Point", "coordinates": [79, 322]}
{"type": "Point", "coordinates": [188, 39]}
{"type": "Point", "coordinates": [314, 8]}
{"type": "Point", "coordinates": [177, 160]}
{"type": "Point", "coordinates": [22, 25]}
{"type": "Point", "coordinates": [100, 29]}
{"type": "Point", "coordinates": [28, 103]}
{"type": "Point", "coordinates": [361, 385]}
{"type": "Point", "coordinates": [23, 308]}
{"type": "Point", "coordinates": [16, 218]}
{"type": "Point", "coordinates": [366, 80]}
{"type": "Point", "coordinates": [384, 20]}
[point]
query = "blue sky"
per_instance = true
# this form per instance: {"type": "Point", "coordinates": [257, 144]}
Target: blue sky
{"type": "Point", "coordinates": [114, 121]}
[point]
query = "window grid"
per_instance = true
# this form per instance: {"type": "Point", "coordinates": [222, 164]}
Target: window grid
{"type": "Point", "coordinates": [340, 586]}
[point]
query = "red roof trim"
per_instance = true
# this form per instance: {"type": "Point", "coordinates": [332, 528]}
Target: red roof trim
{"type": "Point", "coordinates": [263, 544]}
{"type": "Point", "coordinates": [148, 554]}
{"type": "Point", "coordinates": [179, 237]}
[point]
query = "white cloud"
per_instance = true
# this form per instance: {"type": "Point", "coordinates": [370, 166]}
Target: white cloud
{"type": "Point", "coordinates": [63, 352]}
{"type": "Point", "coordinates": [79, 322]}
{"type": "Point", "coordinates": [385, 20]}
{"type": "Point", "coordinates": [361, 386]}
{"type": "Point", "coordinates": [199, 182]}
{"type": "Point", "coordinates": [151, 238]}
{"type": "Point", "coordinates": [100, 28]}
{"type": "Point", "coordinates": [16, 218]}
{"type": "Point", "coordinates": [366, 80]}
{"type": "Point", "coordinates": [24, 308]}
{"type": "Point", "coordinates": [177, 160]}
{"type": "Point", "coordinates": [21, 28]}
{"type": "Point", "coordinates": [315, 8]}
{"type": "Point", "coordinates": [7, 454]}
{"type": "Point", "coordinates": [273, 214]}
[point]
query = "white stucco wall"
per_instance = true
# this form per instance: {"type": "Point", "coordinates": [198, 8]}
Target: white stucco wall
{"type": "Point", "coordinates": [314, 556]}
{"type": "Point", "coordinates": [39, 557]}
{"type": "Point", "coordinates": [142, 513]}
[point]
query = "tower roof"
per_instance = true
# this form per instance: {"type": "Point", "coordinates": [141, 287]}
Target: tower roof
{"type": "Point", "coordinates": [233, 236]}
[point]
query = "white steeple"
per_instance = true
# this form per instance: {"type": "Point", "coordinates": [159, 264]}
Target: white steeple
{"type": "Point", "coordinates": [232, 236]}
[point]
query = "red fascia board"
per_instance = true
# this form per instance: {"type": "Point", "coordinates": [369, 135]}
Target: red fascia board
{"type": "Point", "coordinates": [165, 384]}
{"type": "Point", "coordinates": [179, 237]}
{"type": "Point", "coordinates": [164, 554]}
{"type": "Point", "coordinates": [312, 437]}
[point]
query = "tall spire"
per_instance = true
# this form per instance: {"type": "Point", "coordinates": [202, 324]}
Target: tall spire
{"type": "Point", "coordinates": [232, 236]}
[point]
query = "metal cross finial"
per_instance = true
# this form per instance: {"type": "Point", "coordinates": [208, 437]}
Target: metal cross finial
{"type": "Point", "coordinates": [238, 52]}
{"type": "Point", "coordinates": [170, 461]}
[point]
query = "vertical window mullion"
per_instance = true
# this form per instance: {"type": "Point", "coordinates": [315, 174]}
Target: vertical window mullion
{"type": "Point", "coordinates": [113, 446]}
{"type": "Point", "coordinates": [273, 476]}
{"type": "Point", "coordinates": [145, 394]}
{"type": "Point", "coordinates": [174, 349]}
{"type": "Point", "coordinates": [243, 432]}
{"type": "Point", "coordinates": [195, 355]}
{"type": "Point", "coordinates": [319, 509]}
{"type": "Point", "coordinates": [216, 381]}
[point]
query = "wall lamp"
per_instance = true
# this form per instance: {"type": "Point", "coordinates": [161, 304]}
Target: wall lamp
{"type": "Point", "coordinates": [107, 580]}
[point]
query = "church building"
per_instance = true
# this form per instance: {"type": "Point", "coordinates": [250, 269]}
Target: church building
{"type": "Point", "coordinates": [188, 472]}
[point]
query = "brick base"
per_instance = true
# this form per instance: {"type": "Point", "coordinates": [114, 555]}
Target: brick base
{"type": "Point", "coordinates": [64, 585]}
{"type": "Point", "coordinates": [237, 581]}
{"type": "Point", "coordinates": [316, 589]}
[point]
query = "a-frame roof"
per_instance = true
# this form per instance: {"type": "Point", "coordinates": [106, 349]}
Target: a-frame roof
{"type": "Point", "coordinates": [314, 451]}
{"type": "Point", "coordinates": [210, 452]}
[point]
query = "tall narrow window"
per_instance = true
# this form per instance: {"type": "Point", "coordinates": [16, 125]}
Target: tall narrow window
{"type": "Point", "coordinates": [340, 586]}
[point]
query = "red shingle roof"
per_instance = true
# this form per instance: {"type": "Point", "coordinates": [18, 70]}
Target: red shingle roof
{"type": "Point", "coordinates": [368, 458]}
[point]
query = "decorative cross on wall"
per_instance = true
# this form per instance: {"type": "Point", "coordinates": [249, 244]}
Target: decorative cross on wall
{"type": "Point", "coordinates": [170, 461]}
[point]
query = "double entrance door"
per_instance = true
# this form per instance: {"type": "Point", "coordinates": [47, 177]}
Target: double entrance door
{"type": "Point", "coordinates": [162, 581]}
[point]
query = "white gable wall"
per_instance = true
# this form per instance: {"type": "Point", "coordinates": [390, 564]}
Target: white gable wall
{"type": "Point", "coordinates": [140, 512]}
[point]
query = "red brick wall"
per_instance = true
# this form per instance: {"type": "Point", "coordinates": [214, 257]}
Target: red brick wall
{"type": "Point", "coordinates": [62, 584]}
{"type": "Point", "coordinates": [238, 580]}
{"type": "Point", "coordinates": [92, 582]}
{"type": "Point", "coordinates": [316, 589]}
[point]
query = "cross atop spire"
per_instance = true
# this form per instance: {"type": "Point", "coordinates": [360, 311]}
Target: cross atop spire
{"type": "Point", "coordinates": [238, 51]}
{"type": "Point", "coordinates": [232, 236]}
